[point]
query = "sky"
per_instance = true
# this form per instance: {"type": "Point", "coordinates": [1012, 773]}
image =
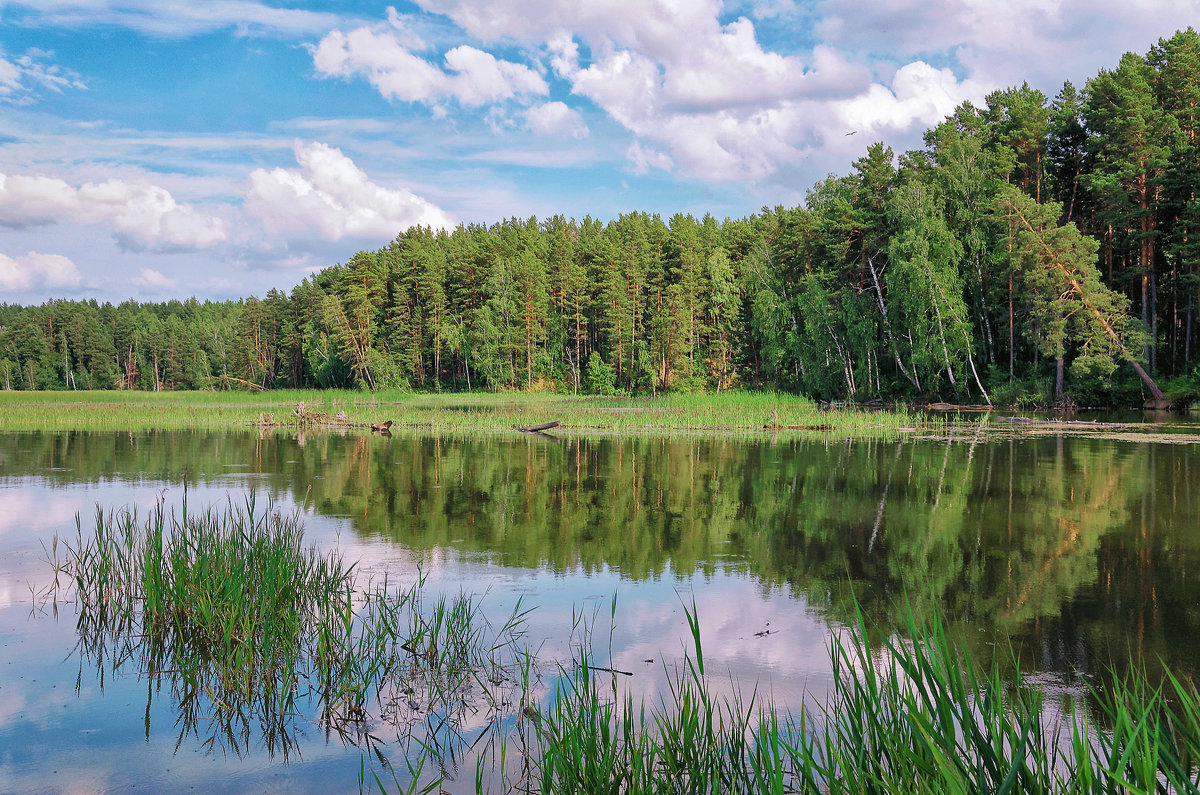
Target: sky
{"type": "Point", "coordinates": [157, 149]}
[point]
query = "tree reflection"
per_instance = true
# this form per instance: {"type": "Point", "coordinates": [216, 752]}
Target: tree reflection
{"type": "Point", "coordinates": [1059, 543]}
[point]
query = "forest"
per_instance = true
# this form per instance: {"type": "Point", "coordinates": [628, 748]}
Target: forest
{"type": "Point", "coordinates": [1035, 250]}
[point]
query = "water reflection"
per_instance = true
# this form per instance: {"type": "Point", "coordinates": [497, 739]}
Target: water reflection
{"type": "Point", "coordinates": [1078, 550]}
{"type": "Point", "coordinates": [1008, 536]}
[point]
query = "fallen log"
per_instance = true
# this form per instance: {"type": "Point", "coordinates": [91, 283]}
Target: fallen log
{"type": "Point", "coordinates": [1085, 423]}
{"type": "Point", "coordinates": [545, 426]}
{"type": "Point", "coordinates": [823, 427]}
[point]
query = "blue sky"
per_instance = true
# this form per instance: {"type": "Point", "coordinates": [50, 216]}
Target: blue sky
{"type": "Point", "coordinates": [155, 149]}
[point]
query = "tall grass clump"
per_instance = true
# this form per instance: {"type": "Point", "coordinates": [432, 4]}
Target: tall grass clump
{"type": "Point", "coordinates": [224, 600]}
{"type": "Point", "coordinates": [916, 714]}
{"type": "Point", "coordinates": [250, 630]}
{"type": "Point", "coordinates": [908, 714]}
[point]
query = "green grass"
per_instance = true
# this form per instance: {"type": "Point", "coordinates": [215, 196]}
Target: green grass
{"type": "Point", "coordinates": [748, 413]}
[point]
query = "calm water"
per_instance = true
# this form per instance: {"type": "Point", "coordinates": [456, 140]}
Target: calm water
{"type": "Point", "coordinates": [1076, 550]}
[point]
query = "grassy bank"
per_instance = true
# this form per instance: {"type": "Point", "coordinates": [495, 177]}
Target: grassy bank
{"type": "Point", "coordinates": [739, 412]}
{"type": "Point", "coordinates": [242, 624]}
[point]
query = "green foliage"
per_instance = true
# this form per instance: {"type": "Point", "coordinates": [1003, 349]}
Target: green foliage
{"type": "Point", "coordinates": [1184, 390]}
{"type": "Point", "coordinates": [897, 280]}
{"type": "Point", "coordinates": [600, 376]}
{"type": "Point", "coordinates": [912, 713]}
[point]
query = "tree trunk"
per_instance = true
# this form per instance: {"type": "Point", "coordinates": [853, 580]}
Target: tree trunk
{"type": "Point", "coordinates": [1159, 398]}
{"type": "Point", "coordinates": [887, 326]}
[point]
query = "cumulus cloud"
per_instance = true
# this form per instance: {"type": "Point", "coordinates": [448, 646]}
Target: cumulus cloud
{"type": "Point", "coordinates": [723, 107]}
{"type": "Point", "coordinates": [331, 197]}
{"type": "Point", "coordinates": [23, 75]}
{"type": "Point", "coordinates": [38, 271]}
{"type": "Point", "coordinates": [643, 159]}
{"type": "Point", "coordinates": [556, 119]}
{"type": "Point", "coordinates": [141, 215]}
{"type": "Point", "coordinates": [700, 95]}
{"type": "Point", "coordinates": [150, 279]}
{"type": "Point", "coordinates": [918, 93]}
{"type": "Point", "coordinates": [1043, 42]}
{"type": "Point", "coordinates": [385, 57]}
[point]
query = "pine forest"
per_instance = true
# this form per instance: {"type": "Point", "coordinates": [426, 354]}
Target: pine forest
{"type": "Point", "coordinates": [1036, 249]}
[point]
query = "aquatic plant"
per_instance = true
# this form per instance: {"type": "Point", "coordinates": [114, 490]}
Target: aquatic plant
{"type": "Point", "coordinates": [909, 714]}
{"type": "Point", "coordinates": [247, 627]}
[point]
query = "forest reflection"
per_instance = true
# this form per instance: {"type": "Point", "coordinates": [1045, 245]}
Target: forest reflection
{"type": "Point", "coordinates": [1079, 550]}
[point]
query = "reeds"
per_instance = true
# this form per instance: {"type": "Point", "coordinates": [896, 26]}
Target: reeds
{"type": "Point", "coordinates": [246, 624]}
{"type": "Point", "coordinates": [910, 714]}
{"type": "Point", "coordinates": [250, 628]}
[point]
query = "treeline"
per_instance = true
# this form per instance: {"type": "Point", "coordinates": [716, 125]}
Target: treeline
{"type": "Point", "coordinates": [1031, 247]}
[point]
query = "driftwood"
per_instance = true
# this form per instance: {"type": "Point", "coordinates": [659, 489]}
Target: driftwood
{"type": "Point", "coordinates": [1055, 423]}
{"type": "Point", "coordinates": [545, 426]}
{"type": "Point", "coordinates": [301, 415]}
{"type": "Point", "coordinates": [823, 427]}
{"type": "Point", "coordinates": [251, 384]}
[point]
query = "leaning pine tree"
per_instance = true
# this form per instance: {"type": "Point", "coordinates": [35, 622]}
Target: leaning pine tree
{"type": "Point", "coordinates": [1056, 267]}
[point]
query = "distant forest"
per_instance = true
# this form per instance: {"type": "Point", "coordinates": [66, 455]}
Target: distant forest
{"type": "Point", "coordinates": [1034, 249]}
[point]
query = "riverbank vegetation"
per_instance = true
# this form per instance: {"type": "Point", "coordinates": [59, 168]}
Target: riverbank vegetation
{"type": "Point", "coordinates": [1035, 250]}
{"type": "Point", "coordinates": [247, 630]}
{"type": "Point", "coordinates": [737, 412]}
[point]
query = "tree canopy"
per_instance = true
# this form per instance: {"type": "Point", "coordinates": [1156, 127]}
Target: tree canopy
{"type": "Point", "coordinates": [1032, 245]}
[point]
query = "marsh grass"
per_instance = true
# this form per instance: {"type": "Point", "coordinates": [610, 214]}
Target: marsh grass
{"type": "Point", "coordinates": [254, 634]}
{"type": "Point", "coordinates": [908, 714]}
{"type": "Point", "coordinates": [747, 413]}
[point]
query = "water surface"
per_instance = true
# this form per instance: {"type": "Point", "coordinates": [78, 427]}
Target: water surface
{"type": "Point", "coordinates": [1078, 551]}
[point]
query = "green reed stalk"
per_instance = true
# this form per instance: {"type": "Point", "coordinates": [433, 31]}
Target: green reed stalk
{"type": "Point", "coordinates": [237, 616]}
{"type": "Point", "coordinates": [911, 714]}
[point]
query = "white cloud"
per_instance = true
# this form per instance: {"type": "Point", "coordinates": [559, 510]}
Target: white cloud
{"type": "Point", "coordinates": [556, 119]}
{"type": "Point", "coordinates": [331, 197]}
{"type": "Point", "coordinates": [701, 97]}
{"type": "Point", "coordinates": [177, 18]}
{"type": "Point", "coordinates": [724, 108]}
{"type": "Point", "coordinates": [918, 94]}
{"type": "Point", "coordinates": [22, 75]}
{"type": "Point", "coordinates": [141, 215]}
{"type": "Point", "coordinates": [1042, 41]}
{"type": "Point", "coordinates": [385, 57]}
{"type": "Point", "coordinates": [38, 271]}
{"type": "Point", "coordinates": [150, 279]}
{"type": "Point", "coordinates": [643, 159]}
{"type": "Point", "coordinates": [660, 29]}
